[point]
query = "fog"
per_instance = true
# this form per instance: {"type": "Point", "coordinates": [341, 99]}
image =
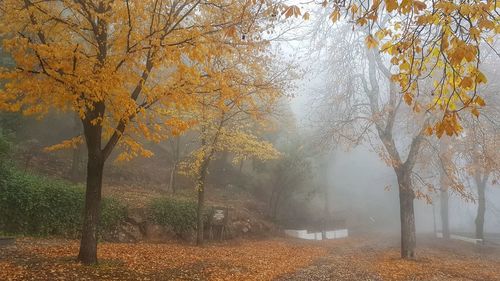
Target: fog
{"type": "Point", "coordinates": [362, 187]}
{"type": "Point", "coordinates": [364, 190]}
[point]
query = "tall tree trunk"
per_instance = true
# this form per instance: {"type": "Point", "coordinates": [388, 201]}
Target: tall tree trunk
{"type": "Point", "coordinates": [202, 178]}
{"type": "Point", "coordinates": [445, 223]}
{"type": "Point", "coordinates": [95, 167]}
{"type": "Point", "coordinates": [481, 209]}
{"type": "Point", "coordinates": [201, 202]}
{"type": "Point", "coordinates": [403, 170]}
{"type": "Point", "coordinates": [406, 198]}
{"type": "Point", "coordinates": [92, 130]}
{"type": "Point", "coordinates": [199, 217]}
{"type": "Point", "coordinates": [444, 182]}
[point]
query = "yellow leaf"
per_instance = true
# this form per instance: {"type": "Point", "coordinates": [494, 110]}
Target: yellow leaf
{"type": "Point", "coordinates": [428, 131]}
{"type": "Point", "coordinates": [474, 33]}
{"type": "Point", "coordinates": [479, 101]}
{"type": "Point", "coordinates": [371, 42]}
{"type": "Point", "coordinates": [335, 15]}
{"type": "Point", "coordinates": [288, 12]}
{"type": "Point", "coordinates": [405, 66]}
{"type": "Point", "coordinates": [466, 83]}
{"type": "Point", "coordinates": [408, 98]}
{"type": "Point", "coordinates": [380, 34]}
{"type": "Point", "coordinates": [419, 5]}
{"type": "Point", "coordinates": [354, 8]}
{"type": "Point", "coordinates": [475, 112]}
{"type": "Point", "coordinates": [481, 78]}
{"type": "Point", "coordinates": [361, 21]}
{"type": "Point", "coordinates": [486, 24]}
{"type": "Point", "coordinates": [391, 5]}
{"type": "Point", "coordinates": [439, 129]}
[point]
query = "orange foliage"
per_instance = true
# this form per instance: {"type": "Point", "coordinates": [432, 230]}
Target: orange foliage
{"type": "Point", "coordinates": [248, 260]}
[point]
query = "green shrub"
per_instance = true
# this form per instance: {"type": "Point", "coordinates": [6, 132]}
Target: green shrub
{"type": "Point", "coordinates": [179, 214]}
{"type": "Point", "coordinates": [36, 205]}
{"type": "Point", "coordinates": [113, 213]}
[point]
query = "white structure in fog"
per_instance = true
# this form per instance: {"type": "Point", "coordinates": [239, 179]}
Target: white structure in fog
{"type": "Point", "coordinates": [304, 234]}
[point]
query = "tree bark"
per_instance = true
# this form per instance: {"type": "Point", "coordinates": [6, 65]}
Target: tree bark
{"type": "Point", "coordinates": [445, 223]}
{"type": "Point", "coordinates": [481, 209]}
{"type": "Point", "coordinates": [199, 214]}
{"type": "Point", "coordinates": [444, 182]}
{"type": "Point", "coordinates": [202, 178]}
{"type": "Point", "coordinates": [95, 167]}
{"type": "Point", "coordinates": [88, 244]}
{"type": "Point", "coordinates": [201, 203]}
{"type": "Point", "coordinates": [406, 198]}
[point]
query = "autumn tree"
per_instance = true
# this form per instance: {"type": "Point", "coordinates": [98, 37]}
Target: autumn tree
{"type": "Point", "coordinates": [469, 163]}
{"type": "Point", "coordinates": [234, 101]}
{"type": "Point", "coordinates": [471, 156]}
{"type": "Point", "coordinates": [439, 39]}
{"type": "Point", "coordinates": [482, 145]}
{"type": "Point", "coordinates": [479, 145]}
{"type": "Point", "coordinates": [120, 65]}
{"type": "Point", "coordinates": [362, 103]}
{"type": "Point", "coordinates": [444, 166]}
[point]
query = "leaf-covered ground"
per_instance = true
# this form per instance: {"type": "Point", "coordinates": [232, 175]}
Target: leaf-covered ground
{"type": "Point", "coordinates": [276, 259]}
{"type": "Point", "coordinates": [379, 260]}
{"type": "Point", "coordinates": [34, 259]}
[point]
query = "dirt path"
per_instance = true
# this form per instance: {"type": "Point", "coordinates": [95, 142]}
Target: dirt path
{"type": "Point", "coordinates": [377, 259]}
{"type": "Point", "coordinates": [344, 261]}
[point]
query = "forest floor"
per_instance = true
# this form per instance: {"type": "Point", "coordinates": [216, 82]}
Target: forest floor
{"type": "Point", "coordinates": [378, 259]}
{"type": "Point", "coordinates": [272, 259]}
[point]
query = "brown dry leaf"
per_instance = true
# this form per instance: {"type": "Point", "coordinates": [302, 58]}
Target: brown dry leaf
{"type": "Point", "coordinates": [247, 260]}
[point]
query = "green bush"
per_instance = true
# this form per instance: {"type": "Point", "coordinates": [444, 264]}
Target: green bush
{"type": "Point", "coordinates": [113, 213]}
{"type": "Point", "coordinates": [178, 214]}
{"type": "Point", "coordinates": [36, 205]}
